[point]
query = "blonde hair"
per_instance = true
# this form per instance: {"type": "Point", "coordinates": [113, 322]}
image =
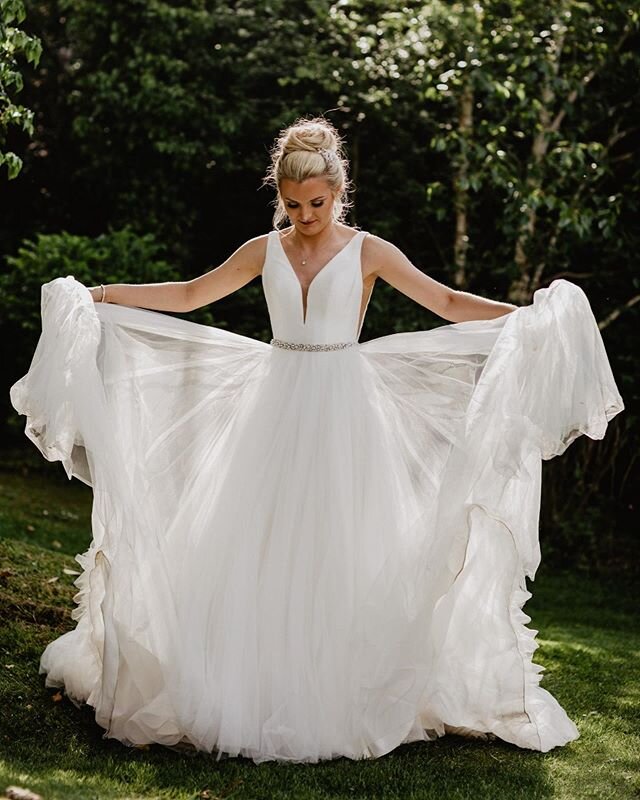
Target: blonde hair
{"type": "Point", "coordinates": [310, 148]}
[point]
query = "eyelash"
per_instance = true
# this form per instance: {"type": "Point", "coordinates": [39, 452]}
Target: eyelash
{"type": "Point", "coordinates": [315, 205]}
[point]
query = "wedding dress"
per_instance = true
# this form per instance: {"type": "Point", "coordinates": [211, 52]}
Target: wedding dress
{"type": "Point", "coordinates": [303, 553]}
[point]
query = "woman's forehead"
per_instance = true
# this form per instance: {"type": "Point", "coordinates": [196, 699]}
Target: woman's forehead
{"type": "Point", "coordinates": [308, 189]}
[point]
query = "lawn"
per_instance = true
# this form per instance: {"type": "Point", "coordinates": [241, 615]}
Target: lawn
{"type": "Point", "coordinates": [589, 644]}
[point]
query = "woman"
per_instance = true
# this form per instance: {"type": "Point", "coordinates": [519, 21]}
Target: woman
{"type": "Point", "coordinates": [314, 547]}
{"type": "Point", "coordinates": [309, 173]}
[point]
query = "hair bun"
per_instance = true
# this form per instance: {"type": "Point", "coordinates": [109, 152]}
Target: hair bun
{"type": "Point", "coordinates": [309, 148]}
{"type": "Point", "coordinates": [309, 135]}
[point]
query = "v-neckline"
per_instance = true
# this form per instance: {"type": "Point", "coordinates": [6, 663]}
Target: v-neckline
{"type": "Point", "coordinates": [305, 310]}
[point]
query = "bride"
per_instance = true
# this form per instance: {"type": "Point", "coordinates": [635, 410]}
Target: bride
{"type": "Point", "coordinates": [313, 547]}
{"type": "Point", "coordinates": [310, 174]}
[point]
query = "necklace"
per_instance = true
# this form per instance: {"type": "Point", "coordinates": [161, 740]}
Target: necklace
{"type": "Point", "coordinates": [304, 260]}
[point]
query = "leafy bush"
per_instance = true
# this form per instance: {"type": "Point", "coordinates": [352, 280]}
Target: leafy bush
{"type": "Point", "coordinates": [121, 256]}
{"type": "Point", "coordinates": [114, 257]}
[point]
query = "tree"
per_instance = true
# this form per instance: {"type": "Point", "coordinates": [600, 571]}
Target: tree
{"type": "Point", "coordinates": [14, 42]}
{"type": "Point", "coordinates": [532, 108]}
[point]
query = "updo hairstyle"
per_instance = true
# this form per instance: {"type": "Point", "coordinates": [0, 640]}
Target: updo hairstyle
{"type": "Point", "coordinates": [310, 148]}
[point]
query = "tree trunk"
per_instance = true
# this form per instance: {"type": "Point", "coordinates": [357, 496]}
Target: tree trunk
{"type": "Point", "coordinates": [461, 188]}
{"type": "Point", "coordinates": [520, 289]}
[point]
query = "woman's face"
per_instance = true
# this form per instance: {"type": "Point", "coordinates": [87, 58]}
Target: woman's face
{"type": "Point", "coordinates": [309, 204]}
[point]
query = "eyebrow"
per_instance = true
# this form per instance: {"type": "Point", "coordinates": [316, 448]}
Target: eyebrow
{"type": "Point", "coordinates": [320, 197]}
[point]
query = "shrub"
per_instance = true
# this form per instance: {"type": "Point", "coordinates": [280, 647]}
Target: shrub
{"type": "Point", "coordinates": [121, 256]}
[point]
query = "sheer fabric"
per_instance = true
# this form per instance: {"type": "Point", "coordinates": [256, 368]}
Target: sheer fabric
{"type": "Point", "coordinates": [303, 555]}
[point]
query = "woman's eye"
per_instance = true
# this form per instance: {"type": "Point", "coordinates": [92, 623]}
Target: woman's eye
{"type": "Point", "coordinates": [292, 205]}
{"type": "Point", "coordinates": [317, 205]}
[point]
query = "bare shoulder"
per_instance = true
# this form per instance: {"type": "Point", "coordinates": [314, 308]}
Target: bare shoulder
{"type": "Point", "coordinates": [252, 253]}
{"type": "Point", "coordinates": [376, 253]}
{"type": "Point", "coordinates": [241, 267]}
{"type": "Point", "coordinates": [376, 246]}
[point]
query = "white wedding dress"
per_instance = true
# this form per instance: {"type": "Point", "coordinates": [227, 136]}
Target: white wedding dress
{"type": "Point", "coordinates": [301, 554]}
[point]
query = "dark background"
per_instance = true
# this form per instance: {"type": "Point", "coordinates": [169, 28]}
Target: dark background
{"type": "Point", "coordinates": [495, 145]}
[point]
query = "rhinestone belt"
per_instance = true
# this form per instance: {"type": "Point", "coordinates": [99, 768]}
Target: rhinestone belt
{"type": "Point", "coordinates": [300, 346]}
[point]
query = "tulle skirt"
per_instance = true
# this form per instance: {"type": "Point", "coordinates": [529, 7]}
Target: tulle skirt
{"type": "Point", "coordinates": [303, 555]}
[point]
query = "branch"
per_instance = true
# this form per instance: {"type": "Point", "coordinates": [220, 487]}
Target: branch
{"type": "Point", "coordinates": [615, 138]}
{"type": "Point", "coordinates": [623, 157]}
{"type": "Point", "coordinates": [568, 274]}
{"type": "Point", "coordinates": [573, 94]}
{"type": "Point", "coordinates": [617, 311]}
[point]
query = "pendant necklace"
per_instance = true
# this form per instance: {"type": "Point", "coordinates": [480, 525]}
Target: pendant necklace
{"type": "Point", "coordinates": [303, 261]}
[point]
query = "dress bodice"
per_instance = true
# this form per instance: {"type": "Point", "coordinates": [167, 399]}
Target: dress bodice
{"type": "Point", "coordinates": [333, 299]}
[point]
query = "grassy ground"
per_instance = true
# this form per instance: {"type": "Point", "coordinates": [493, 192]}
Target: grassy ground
{"type": "Point", "coordinates": [590, 645]}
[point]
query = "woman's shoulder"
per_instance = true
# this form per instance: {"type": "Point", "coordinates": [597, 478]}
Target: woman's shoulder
{"type": "Point", "coordinates": [378, 253]}
{"type": "Point", "coordinates": [376, 245]}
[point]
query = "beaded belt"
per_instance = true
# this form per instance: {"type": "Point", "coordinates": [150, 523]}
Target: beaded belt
{"type": "Point", "coordinates": [300, 346]}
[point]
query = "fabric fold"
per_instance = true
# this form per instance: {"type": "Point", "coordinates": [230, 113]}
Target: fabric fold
{"type": "Point", "coordinates": [301, 555]}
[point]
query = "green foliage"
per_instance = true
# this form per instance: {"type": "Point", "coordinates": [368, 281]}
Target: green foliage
{"type": "Point", "coordinates": [175, 102]}
{"type": "Point", "coordinates": [114, 257]}
{"type": "Point", "coordinates": [14, 42]}
{"type": "Point", "coordinates": [550, 125]}
{"type": "Point", "coordinates": [588, 510]}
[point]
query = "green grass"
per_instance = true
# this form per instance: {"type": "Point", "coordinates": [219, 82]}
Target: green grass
{"type": "Point", "coordinates": [589, 640]}
{"type": "Point", "coordinates": [40, 505]}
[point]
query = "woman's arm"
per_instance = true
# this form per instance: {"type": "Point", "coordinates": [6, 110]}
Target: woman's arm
{"type": "Point", "coordinates": [240, 268]}
{"type": "Point", "coordinates": [182, 296]}
{"type": "Point", "coordinates": [394, 267]}
{"type": "Point", "coordinates": [169, 296]}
